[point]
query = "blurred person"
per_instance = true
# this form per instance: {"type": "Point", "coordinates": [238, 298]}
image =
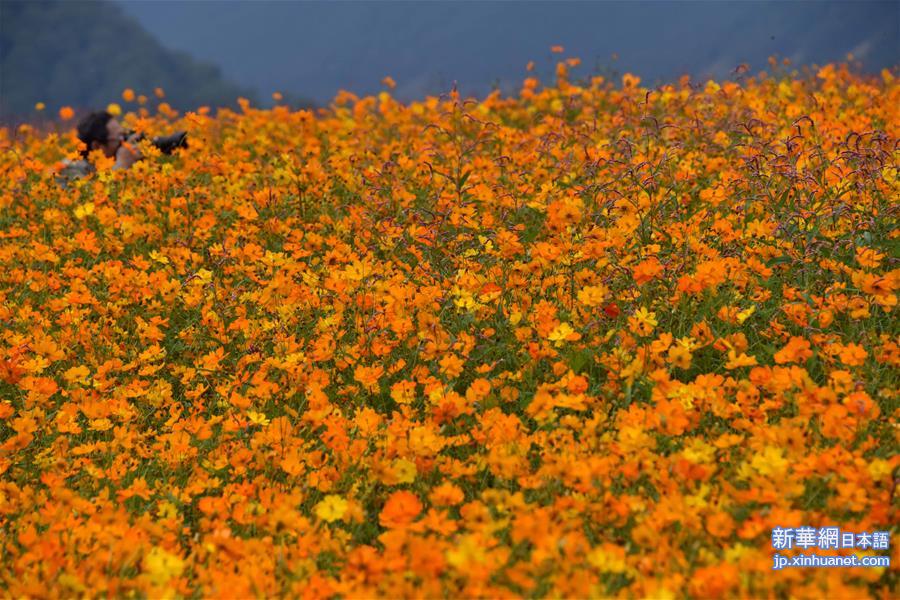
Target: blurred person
{"type": "Point", "coordinates": [100, 131]}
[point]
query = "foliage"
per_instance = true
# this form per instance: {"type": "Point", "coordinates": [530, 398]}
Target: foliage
{"type": "Point", "coordinates": [590, 340]}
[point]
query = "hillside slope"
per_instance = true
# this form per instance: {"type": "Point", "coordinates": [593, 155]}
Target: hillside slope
{"type": "Point", "coordinates": [84, 54]}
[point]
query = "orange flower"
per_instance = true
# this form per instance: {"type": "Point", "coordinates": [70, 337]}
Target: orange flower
{"type": "Point", "coordinates": [647, 270]}
{"type": "Point", "coordinates": [479, 388]}
{"type": "Point", "coordinates": [368, 376]}
{"type": "Point", "coordinates": [451, 366]}
{"type": "Point", "coordinates": [720, 524]}
{"type": "Point", "coordinates": [853, 355]}
{"type": "Point", "coordinates": [400, 510]}
{"type": "Point", "coordinates": [447, 494]}
{"type": "Point", "coordinates": [403, 392]}
{"type": "Point", "coordinates": [66, 113]}
{"type": "Point", "coordinates": [796, 350]}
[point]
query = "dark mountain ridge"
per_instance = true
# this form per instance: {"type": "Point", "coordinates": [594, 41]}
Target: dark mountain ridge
{"type": "Point", "coordinates": [318, 48]}
{"type": "Point", "coordinates": [84, 54]}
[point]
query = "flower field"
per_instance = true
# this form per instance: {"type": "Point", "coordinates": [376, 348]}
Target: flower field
{"type": "Point", "coordinates": [592, 339]}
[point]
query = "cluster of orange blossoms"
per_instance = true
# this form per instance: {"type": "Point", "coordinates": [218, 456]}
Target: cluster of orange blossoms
{"type": "Point", "coordinates": [594, 339]}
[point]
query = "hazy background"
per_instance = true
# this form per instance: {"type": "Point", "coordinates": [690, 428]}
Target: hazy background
{"type": "Point", "coordinates": [208, 52]}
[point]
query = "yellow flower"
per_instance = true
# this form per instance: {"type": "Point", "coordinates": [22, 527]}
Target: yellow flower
{"type": "Point", "coordinates": [71, 581]}
{"type": "Point", "coordinates": [161, 566]}
{"type": "Point", "coordinates": [404, 470]}
{"type": "Point", "coordinates": [332, 508]}
{"type": "Point", "coordinates": [770, 461]}
{"type": "Point", "coordinates": [84, 210]}
{"type": "Point", "coordinates": [468, 551]}
{"type": "Point", "coordinates": [257, 418]}
{"type": "Point", "coordinates": [699, 452]}
{"type": "Point", "coordinates": [736, 361]}
{"type": "Point", "coordinates": [745, 314]}
{"type": "Point", "coordinates": [114, 109]}
{"type": "Point", "coordinates": [879, 469]}
{"type": "Point", "coordinates": [561, 333]}
{"type": "Point", "coordinates": [166, 510]}
{"type": "Point", "coordinates": [607, 562]}
{"type": "Point", "coordinates": [464, 299]}
{"type": "Point", "coordinates": [158, 257]}
{"type": "Point", "coordinates": [204, 276]}
{"type": "Point", "coordinates": [700, 499]}
{"type": "Point", "coordinates": [684, 394]}
{"type": "Point", "coordinates": [642, 322]}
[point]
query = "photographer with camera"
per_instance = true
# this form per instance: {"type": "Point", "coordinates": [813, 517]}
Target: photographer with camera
{"type": "Point", "coordinates": [100, 131]}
